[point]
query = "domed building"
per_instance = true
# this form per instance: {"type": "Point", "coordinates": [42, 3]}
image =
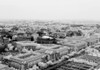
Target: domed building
{"type": "Point", "coordinates": [46, 40]}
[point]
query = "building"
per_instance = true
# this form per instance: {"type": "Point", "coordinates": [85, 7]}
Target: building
{"type": "Point", "coordinates": [22, 36]}
{"type": "Point", "coordinates": [27, 44]}
{"type": "Point", "coordinates": [92, 40]}
{"type": "Point", "coordinates": [55, 53]}
{"type": "Point", "coordinates": [50, 46]}
{"type": "Point", "coordinates": [62, 50]}
{"type": "Point", "coordinates": [90, 58]}
{"type": "Point", "coordinates": [25, 61]}
{"type": "Point", "coordinates": [70, 39]}
{"type": "Point", "coordinates": [75, 45]}
{"type": "Point", "coordinates": [46, 40]}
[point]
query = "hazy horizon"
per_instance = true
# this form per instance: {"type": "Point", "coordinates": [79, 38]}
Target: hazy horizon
{"type": "Point", "coordinates": [50, 10]}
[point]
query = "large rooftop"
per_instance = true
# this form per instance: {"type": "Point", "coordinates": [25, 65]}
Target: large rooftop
{"type": "Point", "coordinates": [26, 43]}
{"type": "Point", "coordinates": [31, 56]}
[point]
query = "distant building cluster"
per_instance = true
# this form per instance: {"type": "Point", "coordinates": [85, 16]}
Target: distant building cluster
{"type": "Point", "coordinates": [23, 47]}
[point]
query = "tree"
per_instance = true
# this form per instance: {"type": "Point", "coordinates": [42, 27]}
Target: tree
{"type": "Point", "coordinates": [14, 28]}
{"type": "Point", "coordinates": [73, 33]}
{"type": "Point", "coordinates": [97, 25]}
{"type": "Point", "coordinates": [70, 33]}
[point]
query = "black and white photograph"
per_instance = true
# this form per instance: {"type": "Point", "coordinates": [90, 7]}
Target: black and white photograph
{"type": "Point", "coordinates": [49, 34]}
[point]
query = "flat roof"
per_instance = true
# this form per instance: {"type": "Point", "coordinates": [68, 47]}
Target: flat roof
{"type": "Point", "coordinates": [75, 38]}
{"type": "Point", "coordinates": [27, 43]}
{"type": "Point", "coordinates": [41, 51]}
{"type": "Point", "coordinates": [74, 43]}
{"type": "Point", "coordinates": [27, 57]}
{"type": "Point", "coordinates": [49, 46]}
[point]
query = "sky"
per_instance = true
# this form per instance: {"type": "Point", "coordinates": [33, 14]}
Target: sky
{"type": "Point", "coordinates": [50, 9]}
